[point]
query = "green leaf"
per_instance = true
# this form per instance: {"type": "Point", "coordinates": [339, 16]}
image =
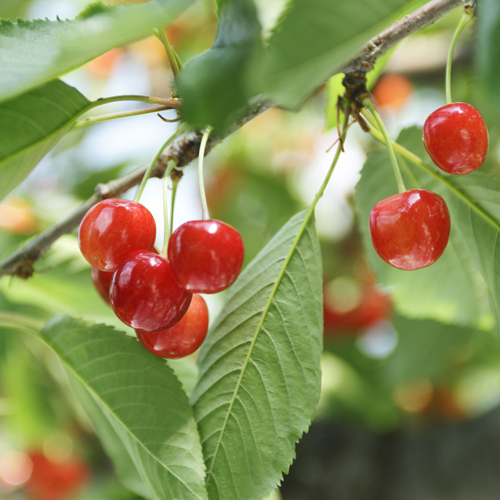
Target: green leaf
{"type": "Point", "coordinates": [32, 53]}
{"type": "Point", "coordinates": [314, 38]}
{"type": "Point", "coordinates": [488, 51]}
{"type": "Point", "coordinates": [451, 290]}
{"type": "Point", "coordinates": [31, 125]}
{"type": "Point", "coordinates": [141, 399]}
{"type": "Point", "coordinates": [214, 86]}
{"type": "Point", "coordinates": [114, 447]}
{"type": "Point", "coordinates": [260, 367]}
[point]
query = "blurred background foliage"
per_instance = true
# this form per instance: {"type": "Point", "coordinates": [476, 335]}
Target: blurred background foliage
{"type": "Point", "coordinates": [382, 372]}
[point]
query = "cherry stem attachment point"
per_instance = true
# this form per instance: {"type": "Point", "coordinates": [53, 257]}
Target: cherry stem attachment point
{"type": "Point", "coordinates": [149, 171]}
{"type": "Point", "coordinates": [466, 17]}
{"type": "Point", "coordinates": [173, 58]}
{"type": "Point", "coordinates": [201, 156]}
{"type": "Point", "coordinates": [166, 234]}
{"type": "Point", "coordinates": [367, 102]}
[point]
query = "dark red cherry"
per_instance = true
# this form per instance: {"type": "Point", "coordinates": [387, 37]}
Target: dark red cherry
{"type": "Point", "coordinates": [410, 230]}
{"type": "Point", "coordinates": [102, 282]}
{"type": "Point", "coordinates": [144, 293]}
{"type": "Point", "coordinates": [206, 255]}
{"type": "Point", "coordinates": [113, 229]}
{"type": "Point", "coordinates": [456, 138]}
{"type": "Point", "coordinates": [183, 338]}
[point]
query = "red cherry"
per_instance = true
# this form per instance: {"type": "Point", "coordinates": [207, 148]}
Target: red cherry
{"type": "Point", "coordinates": [114, 228]}
{"type": "Point", "coordinates": [56, 480]}
{"type": "Point", "coordinates": [456, 138]}
{"type": "Point", "coordinates": [144, 293]}
{"type": "Point", "coordinates": [102, 282]}
{"type": "Point", "coordinates": [410, 230]}
{"type": "Point", "coordinates": [206, 255]}
{"type": "Point", "coordinates": [183, 338]}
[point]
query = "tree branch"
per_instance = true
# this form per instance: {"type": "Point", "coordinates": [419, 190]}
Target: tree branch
{"type": "Point", "coordinates": [185, 148]}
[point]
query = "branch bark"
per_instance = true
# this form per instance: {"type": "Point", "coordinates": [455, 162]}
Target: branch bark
{"type": "Point", "coordinates": [185, 148]}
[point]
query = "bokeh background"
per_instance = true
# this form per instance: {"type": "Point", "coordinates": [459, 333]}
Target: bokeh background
{"type": "Point", "coordinates": [410, 417]}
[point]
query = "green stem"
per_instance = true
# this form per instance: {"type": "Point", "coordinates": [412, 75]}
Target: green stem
{"type": "Point", "coordinates": [132, 97]}
{"type": "Point", "coordinates": [91, 120]}
{"type": "Point", "coordinates": [148, 172]}
{"type": "Point", "coordinates": [166, 237]}
{"type": "Point", "coordinates": [443, 180]}
{"type": "Point", "coordinates": [175, 183]}
{"type": "Point", "coordinates": [201, 156]}
{"type": "Point", "coordinates": [397, 172]}
{"type": "Point", "coordinates": [173, 58]}
{"type": "Point", "coordinates": [467, 15]}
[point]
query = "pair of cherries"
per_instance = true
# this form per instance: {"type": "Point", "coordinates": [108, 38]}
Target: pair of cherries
{"type": "Point", "coordinates": [153, 294]}
{"type": "Point", "coordinates": [410, 230]}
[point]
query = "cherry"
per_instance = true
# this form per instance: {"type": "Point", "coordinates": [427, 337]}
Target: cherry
{"type": "Point", "coordinates": [144, 293]}
{"type": "Point", "coordinates": [456, 138]}
{"type": "Point", "coordinates": [102, 282]}
{"type": "Point", "coordinates": [183, 338]}
{"type": "Point", "coordinates": [206, 255]}
{"type": "Point", "coordinates": [113, 229]}
{"type": "Point", "coordinates": [56, 480]}
{"type": "Point", "coordinates": [410, 230]}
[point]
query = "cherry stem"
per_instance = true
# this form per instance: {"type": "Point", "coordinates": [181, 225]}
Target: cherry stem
{"type": "Point", "coordinates": [19, 322]}
{"type": "Point", "coordinates": [380, 124]}
{"type": "Point", "coordinates": [166, 237]}
{"type": "Point", "coordinates": [149, 171]}
{"type": "Point", "coordinates": [172, 103]}
{"type": "Point", "coordinates": [173, 58]}
{"type": "Point", "coordinates": [340, 148]}
{"type": "Point", "coordinates": [175, 183]}
{"type": "Point", "coordinates": [466, 17]}
{"type": "Point", "coordinates": [201, 156]}
{"type": "Point", "coordinates": [91, 120]}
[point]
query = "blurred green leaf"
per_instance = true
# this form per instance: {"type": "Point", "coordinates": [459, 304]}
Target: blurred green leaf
{"type": "Point", "coordinates": [31, 125]}
{"type": "Point", "coordinates": [451, 290]}
{"type": "Point", "coordinates": [141, 399]}
{"type": "Point", "coordinates": [314, 38]}
{"type": "Point", "coordinates": [488, 50]}
{"type": "Point", "coordinates": [260, 367]}
{"type": "Point", "coordinates": [12, 10]}
{"type": "Point", "coordinates": [214, 85]}
{"type": "Point", "coordinates": [32, 53]}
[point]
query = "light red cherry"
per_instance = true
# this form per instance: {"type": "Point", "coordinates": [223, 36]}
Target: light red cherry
{"type": "Point", "coordinates": [206, 255]}
{"type": "Point", "coordinates": [182, 339]}
{"type": "Point", "coordinates": [456, 138]}
{"type": "Point", "coordinates": [144, 293]}
{"type": "Point", "coordinates": [410, 230]}
{"type": "Point", "coordinates": [114, 228]}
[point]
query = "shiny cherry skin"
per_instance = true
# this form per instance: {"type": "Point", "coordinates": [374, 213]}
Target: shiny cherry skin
{"type": "Point", "coordinates": [410, 230]}
{"type": "Point", "coordinates": [206, 255]}
{"type": "Point", "coordinates": [456, 138]}
{"type": "Point", "coordinates": [113, 229]}
{"type": "Point", "coordinates": [102, 282]}
{"type": "Point", "coordinates": [144, 293]}
{"type": "Point", "coordinates": [182, 339]}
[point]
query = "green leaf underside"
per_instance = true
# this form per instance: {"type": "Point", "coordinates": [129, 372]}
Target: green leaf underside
{"type": "Point", "coordinates": [142, 401]}
{"type": "Point", "coordinates": [214, 85]}
{"type": "Point", "coordinates": [316, 37]}
{"type": "Point", "coordinates": [31, 125]}
{"type": "Point", "coordinates": [453, 289]}
{"type": "Point", "coordinates": [32, 53]}
{"type": "Point", "coordinates": [111, 442]}
{"type": "Point", "coordinates": [260, 367]}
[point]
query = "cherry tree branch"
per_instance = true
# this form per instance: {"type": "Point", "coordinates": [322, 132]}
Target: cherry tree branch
{"type": "Point", "coordinates": [185, 148]}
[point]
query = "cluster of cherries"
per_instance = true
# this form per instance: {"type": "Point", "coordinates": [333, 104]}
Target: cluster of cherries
{"type": "Point", "coordinates": [410, 230]}
{"type": "Point", "coordinates": [154, 294]}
